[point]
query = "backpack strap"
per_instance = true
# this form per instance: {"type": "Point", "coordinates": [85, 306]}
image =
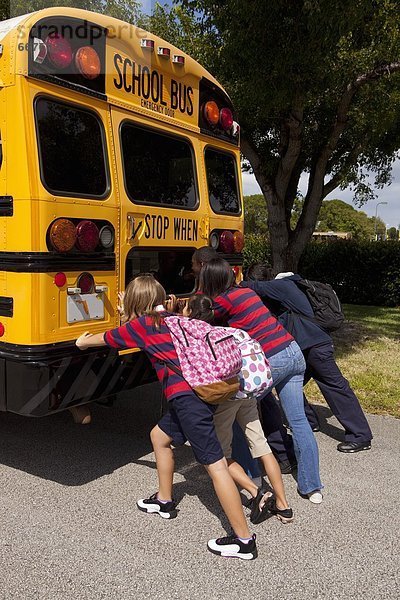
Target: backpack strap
{"type": "Point", "coordinates": [291, 320]}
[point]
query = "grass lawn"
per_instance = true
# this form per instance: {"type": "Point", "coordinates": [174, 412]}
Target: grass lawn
{"type": "Point", "coordinates": [368, 353]}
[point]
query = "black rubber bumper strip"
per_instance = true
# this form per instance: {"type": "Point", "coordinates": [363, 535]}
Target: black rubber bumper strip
{"type": "Point", "coordinates": [6, 206]}
{"type": "Point", "coordinates": [48, 262]}
{"type": "Point", "coordinates": [6, 306]}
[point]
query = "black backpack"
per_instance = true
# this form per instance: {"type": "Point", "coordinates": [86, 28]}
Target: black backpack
{"type": "Point", "coordinates": [327, 309]}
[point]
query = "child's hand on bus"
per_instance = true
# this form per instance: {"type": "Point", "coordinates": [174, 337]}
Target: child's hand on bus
{"type": "Point", "coordinates": [171, 303]}
{"type": "Point", "coordinates": [120, 306]}
{"type": "Point", "coordinates": [185, 309]}
{"type": "Point", "coordinates": [81, 342]}
{"type": "Point", "coordinates": [89, 340]}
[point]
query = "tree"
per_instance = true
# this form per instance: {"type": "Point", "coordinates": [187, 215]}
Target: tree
{"type": "Point", "coordinates": [255, 216]}
{"type": "Point", "coordinates": [393, 234]}
{"type": "Point", "coordinates": [120, 9]}
{"type": "Point", "coordinates": [336, 215]}
{"type": "Point", "coordinates": [317, 89]}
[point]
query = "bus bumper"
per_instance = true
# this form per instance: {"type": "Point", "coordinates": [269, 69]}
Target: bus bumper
{"type": "Point", "coordinates": [39, 380]}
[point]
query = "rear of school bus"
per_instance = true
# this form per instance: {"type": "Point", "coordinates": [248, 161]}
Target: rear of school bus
{"type": "Point", "coordinates": [119, 156]}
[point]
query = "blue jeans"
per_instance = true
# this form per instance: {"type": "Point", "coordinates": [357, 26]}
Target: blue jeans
{"type": "Point", "coordinates": [288, 368]}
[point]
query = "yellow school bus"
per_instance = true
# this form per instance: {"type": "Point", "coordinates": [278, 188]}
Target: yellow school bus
{"type": "Point", "coordinates": [119, 155]}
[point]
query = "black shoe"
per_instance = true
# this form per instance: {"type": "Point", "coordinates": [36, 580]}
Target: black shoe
{"type": "Point", "coordinates": [315, 428]}
{"type": "Point", "coordinates": [231, 547]}
{"type": "Point", "coordinates": [287, 467]}
{"type": "Point", "coordinates": [351, 447]}
{"type": "Point", "coordinates": [166, 510]}
{"type": "Point", "coordinates": [285, 515]}
{"type": "Point", "coordinates": [258, 514]}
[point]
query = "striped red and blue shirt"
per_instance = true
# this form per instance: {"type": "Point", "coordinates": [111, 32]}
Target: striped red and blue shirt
{"type": "Point", "coordinates": [243, 309]}
{"type": "Point", "coordinates": [157, 344]}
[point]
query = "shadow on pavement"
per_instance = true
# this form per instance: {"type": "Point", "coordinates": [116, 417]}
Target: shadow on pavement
{"type": "Point", "coordinates": [197, 483]}
{"type": "Point", "coordinates": [57, 449]}
{"type": "Point", "coordinates": [332, 431]}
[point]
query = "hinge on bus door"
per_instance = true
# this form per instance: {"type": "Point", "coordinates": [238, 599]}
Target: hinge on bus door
{"type": "Point", "coordinates": [133, 227]}
{"type": "Point", "coordinates": [204, 228]}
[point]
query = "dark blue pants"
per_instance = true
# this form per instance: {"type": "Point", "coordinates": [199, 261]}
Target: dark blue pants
{"type": "Point", "coordinates": [344, 404]}
{"type": "Point", "coordinates": [241, 453]}
{"type": "Point", "coordinates": [280, 441]}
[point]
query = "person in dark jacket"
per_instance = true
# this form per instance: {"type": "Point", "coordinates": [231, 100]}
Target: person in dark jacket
{"type": "Point", "coordinates": [296, 315]}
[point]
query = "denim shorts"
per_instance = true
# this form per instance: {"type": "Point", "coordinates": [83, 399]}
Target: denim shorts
{"type": "Point", "coordinates": [190, 419]}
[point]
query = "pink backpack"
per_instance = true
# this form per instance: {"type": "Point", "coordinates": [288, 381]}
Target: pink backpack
{"type": "Point", "coordinates": [209, 358]}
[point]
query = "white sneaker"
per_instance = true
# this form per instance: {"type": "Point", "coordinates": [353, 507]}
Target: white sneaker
{"type": "Point", "coordinates": [315, 497]}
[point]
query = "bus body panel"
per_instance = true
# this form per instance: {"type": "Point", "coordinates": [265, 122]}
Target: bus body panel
{"type": "Point", "coordinates": [41, 370]}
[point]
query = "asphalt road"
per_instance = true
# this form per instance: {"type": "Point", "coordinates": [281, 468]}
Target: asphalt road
{"type": "Point", "coordinates": [70, 527]}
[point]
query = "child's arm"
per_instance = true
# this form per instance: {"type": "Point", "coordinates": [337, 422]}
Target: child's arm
{"type": "Point", "coordinates": [126, 336]}
{"type": "Point", "coordinates": [87, 340]}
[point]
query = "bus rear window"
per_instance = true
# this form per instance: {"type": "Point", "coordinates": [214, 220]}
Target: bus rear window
{"type": "Point", "coordinates": [172, 267]}
{"type": "Point", "coordinates": [222, 182]}
{"type": "Point", "coordinates": [158, 168]}
{"type": "Point", "coordinates": [71, 150]}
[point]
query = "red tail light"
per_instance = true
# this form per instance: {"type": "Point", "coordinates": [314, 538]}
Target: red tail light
{"type": "Point", "coordinates": [60, 279]}
{"type": "Point", "coordinates": [2, 330]}
{"type": "Point", "coordinates": [87, 236]}
{"type": "Point", "coordinates": [226, 242]}
{"type": "Point", "coordinates": [59, 51]}
{"type": "Point", "coordinates": [85, 283]}
{"type": "Point", "coordinates": [226, 118]}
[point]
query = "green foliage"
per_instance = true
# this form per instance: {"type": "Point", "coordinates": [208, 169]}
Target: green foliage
{"type": "Point", "coordinates": [393, 234]}
{"type": "Point", "coordinates": [126, 11]}
{"type": "Point", "coordinates": [255, 215]}
{"type": "Point", "coordinates": [308, 51]}
{"type": "Point", "coordinates": [177, 25]}
{"type": "Point", "coordinates": [257, 249]}
{"type": "Point", "coordinates": [316, 84]}
{"type": "Point", "coordinates": [360, 272]}
{"type": "Point", "coordinates": [336, 215]}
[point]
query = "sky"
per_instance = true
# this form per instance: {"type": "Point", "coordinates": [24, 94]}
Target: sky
{"type": "Point", "coordinates": [389, 213]}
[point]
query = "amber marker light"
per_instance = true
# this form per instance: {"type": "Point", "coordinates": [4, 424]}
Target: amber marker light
{"type": "Point", "coordinates": [62, 235]}
{"type": "Point", "coordinates": [87, 62]}
{"type": "Point", "coordinates": [238, 241]}
{"type": "Point", "coordinates": [211, 112]}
